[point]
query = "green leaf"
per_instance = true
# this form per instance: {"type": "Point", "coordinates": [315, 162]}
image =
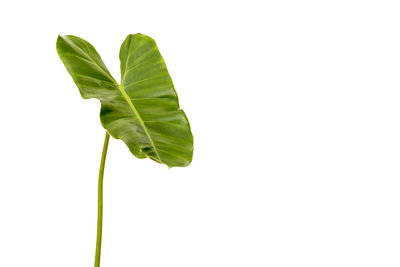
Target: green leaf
{"type": "Point", "coordinates": [143, 111]}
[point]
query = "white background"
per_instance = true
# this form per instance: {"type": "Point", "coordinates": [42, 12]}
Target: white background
{"type": "Point", "coordinates": [295, 111]}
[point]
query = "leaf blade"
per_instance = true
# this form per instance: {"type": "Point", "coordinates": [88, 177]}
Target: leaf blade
{"type": "Point", "coordinates": [82, 60]}
{"type": "Point", "coordinates": [144, 110]}
{"type": "Point", "coordinates": [146, 81]}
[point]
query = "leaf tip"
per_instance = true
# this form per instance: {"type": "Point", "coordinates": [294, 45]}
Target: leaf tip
{"type": "Point", "coordinates": [59, 37]}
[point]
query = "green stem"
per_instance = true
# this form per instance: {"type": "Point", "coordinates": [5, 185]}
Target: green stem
{"type": "Point", "coordinates": [100, 202]}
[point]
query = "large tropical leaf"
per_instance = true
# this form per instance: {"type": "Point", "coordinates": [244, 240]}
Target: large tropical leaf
{"type": "Point", "coordinates": [143, 110]}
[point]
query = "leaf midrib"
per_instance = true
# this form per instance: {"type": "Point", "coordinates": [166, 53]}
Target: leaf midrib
{"type": "Point", "coordinates": [127, 98]}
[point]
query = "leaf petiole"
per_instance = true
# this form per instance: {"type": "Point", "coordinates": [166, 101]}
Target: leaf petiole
{"type": "Point", "coordinates": [100, 201]}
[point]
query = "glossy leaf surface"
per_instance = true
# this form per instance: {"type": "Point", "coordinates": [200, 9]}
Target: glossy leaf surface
{"type": "Point", "coordinates": [143, 111]}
